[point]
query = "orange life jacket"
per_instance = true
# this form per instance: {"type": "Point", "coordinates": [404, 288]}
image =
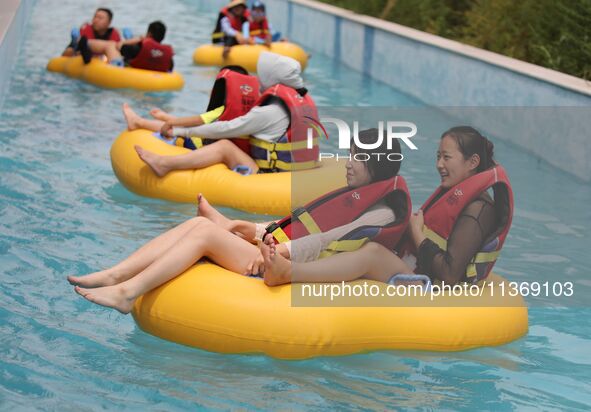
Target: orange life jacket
{"type": "Point", "coordinates": [441, 212]}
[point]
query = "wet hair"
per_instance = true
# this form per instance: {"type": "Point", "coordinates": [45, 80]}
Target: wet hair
{"type": "Point", "coordinates": [157, 30]}
{"type": "Point", "coordinates": [471, 142]}
{"type": "Point", "coordinates": [108, 11]}
{"type": "Point", "coordinates": [235, 68]}
{"type": "Point", "coordinates": [379, 168]}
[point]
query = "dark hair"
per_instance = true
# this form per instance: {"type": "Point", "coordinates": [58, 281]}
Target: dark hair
{"type": "Point", "coordinates": [235, 68]}
{"type": "Point", "coordinates": [258, 5]}
{"type": "Point", "coordinates": [471, 142]}
{"type": "Point", "coordinates": [380, 168]}
{"type": "Point", "coordinates": [108, 11]}
{"type": "Point", "coordinates": [157, 30]}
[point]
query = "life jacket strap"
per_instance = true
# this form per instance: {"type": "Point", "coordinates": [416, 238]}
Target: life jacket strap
{"type": "Point", "coordinates": [276, 164]}
{"type": "Point", "coordinates": [346, 245]}
{"type": "Point", "coordinates": [307, 220]}
{"type": "Point", "coordinates": [480, 257]}
{"type": "Point", "coordinates": [280, 147]}
{"type": "Point", "coordinates": [277, 232]}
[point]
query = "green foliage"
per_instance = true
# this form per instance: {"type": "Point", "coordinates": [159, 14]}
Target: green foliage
{"type": "Point", "coordinates": [551, 33]}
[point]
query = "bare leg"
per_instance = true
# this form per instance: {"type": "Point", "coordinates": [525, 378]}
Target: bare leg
{"type": "Point", "coordinates": [372, 261]}
{"type": "Point", "coordinates": [135, 121]}
{"type": "Point", "coordinates": [242, 228]}
{"type": "Point", "coordinates": [106, 47]}
{"type": "Point", "coordinates": [160, 114]}
{"type": "Point", "coordinates": [208, 240]}
{"type": "Point", "coordinates": [138, 260]}
{"type": "Point", "coordinates": [222, 151]}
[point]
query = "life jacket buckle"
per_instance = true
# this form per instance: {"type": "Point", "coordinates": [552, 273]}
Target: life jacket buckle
{"type": "Point", "coordinates": [271, 228]}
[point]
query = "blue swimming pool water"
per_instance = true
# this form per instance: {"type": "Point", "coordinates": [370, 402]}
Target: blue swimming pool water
{"type": "Point", "coordinates": [62, 211]}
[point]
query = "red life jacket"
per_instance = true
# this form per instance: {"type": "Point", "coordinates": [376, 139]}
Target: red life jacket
{"type": "Point", "coordinates": [441, 215]}
{"type": "Point", "coordinates": [259, 29]}
{"type": "Point", "coordinates": [343, 206]}
{"type": "Point", "coordinates": [238, 93]}
{"type": "Point", "coordinates": [236, 22]}
{"type": "Point", "coordinates": [153, 56]}
{"type": "Point", "coordinates": [290, 152]}
{"type": "Point", "coordinates": [111, 34]}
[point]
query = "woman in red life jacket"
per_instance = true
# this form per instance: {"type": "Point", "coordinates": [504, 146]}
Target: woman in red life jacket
{"type": "Point", "coordinates": [140, 52]}
{"type": "Point", "coordinates": [456, 235]}
{"type": "Point", "coordinates": [274, 130]}
{"type": "Point", "coordinates": [99, 28]}
{"type": "Point", "coordinates": [233, 94]}
{"type": "Point", "coordinates": [230, 244]}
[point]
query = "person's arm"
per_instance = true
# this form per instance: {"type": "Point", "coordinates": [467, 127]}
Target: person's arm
{"type": "Point", "coordinates": [227, 28]}
{"type": "Point", "coordinates": [474, 225]}
{"type": "Point", "coordinates": [129, 42]}
{"type": "Point", "coordinates": [308, 248]}
{"type": "Point", "coordinates": [258, 119]}
{"type": "Point", "coordinates": [191, 121]}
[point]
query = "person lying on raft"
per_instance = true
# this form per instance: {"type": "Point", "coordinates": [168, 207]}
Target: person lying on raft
{"type": "Point", "coordinates": [99, 28]}
{"type": "Point", "coordinates": [144, 52]}
{"type": "Point", "coordinates": [455, 237]}
{"type": "Point", "coordinates": [217, 105]}
{"type": "Point", "coordinates": [209, 235]}
{"type": "Point", "coordinates": [275, 125]}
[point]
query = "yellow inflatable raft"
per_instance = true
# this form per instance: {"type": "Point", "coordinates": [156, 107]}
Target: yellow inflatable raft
{"type": "Point", "coordinates": [213, 309]}
{"type": "Point", "coordinates": [267, 193]}
{"type": "Point", "coordinates": [246, 55]}
{"type": "Point", "coordinates": [101, 74]}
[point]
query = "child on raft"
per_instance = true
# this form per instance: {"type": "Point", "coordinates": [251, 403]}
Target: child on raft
{"type": "Point", "coordinates": [269, 121]}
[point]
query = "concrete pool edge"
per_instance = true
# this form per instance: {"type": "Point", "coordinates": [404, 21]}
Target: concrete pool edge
{"type": "Point", "coordinates": [449, 74]}
{"type": "Point", "coordinates": [13, 19]}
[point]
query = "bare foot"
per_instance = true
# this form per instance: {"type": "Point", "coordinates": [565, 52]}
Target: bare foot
{"type": "Point", "coordinates": [156, 162]}
{"type": "Point", "coordinates": [208, 211]}
{"type": "Point", "coordinates": [277, 268]}
{"type": "Point", "coordinates": [131, 117]}
{"type": "Point", "coordinates": [159, 114]}
{"type": "Point", "coordinates": [226, 52]}
{"type": "Point", "coordinates": [103, 278]}
{"type": "Point", "coordinates": [110, 297]}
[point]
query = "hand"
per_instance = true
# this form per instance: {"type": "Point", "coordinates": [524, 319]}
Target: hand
{"type": "Point", "coordinates": [256, 266]}
{"type": "Point", "coordinates": [166, 130]}
{"type": "Point", "coordinates": [240, 38]}
{"type": "Point", "coordinates": [417, 220]}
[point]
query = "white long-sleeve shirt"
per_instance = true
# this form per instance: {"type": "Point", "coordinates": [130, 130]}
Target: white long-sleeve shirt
{"type": "Point", "coordinates": [264, 122]}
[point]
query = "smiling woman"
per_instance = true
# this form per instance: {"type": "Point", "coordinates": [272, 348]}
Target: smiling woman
{"type": "Point", "coordinates": [456, 236]}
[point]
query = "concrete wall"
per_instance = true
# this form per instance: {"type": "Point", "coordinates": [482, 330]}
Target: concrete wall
{"type": "Point", "coordinates": [13, 17]}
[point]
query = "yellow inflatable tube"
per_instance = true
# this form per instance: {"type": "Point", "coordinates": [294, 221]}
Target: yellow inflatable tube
{"type": "Point", "coordinates": [246, 55]}
{"type": "Point", "coordinates": [102, 74]}
{"type": "Point", "coordinates": [268, 193]}
{"type": "Point", "coordinates": [213, 309]}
